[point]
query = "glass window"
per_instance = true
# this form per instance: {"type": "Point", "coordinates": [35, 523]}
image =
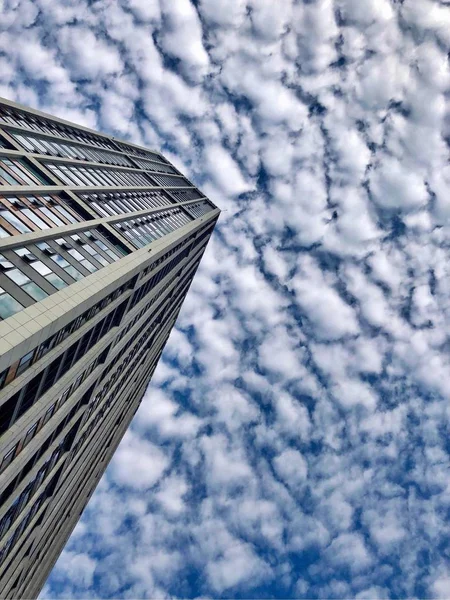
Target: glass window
{"type": "Point", "coordinates": [100, 209]}
{"type": "Point", "coordinates": [16, 202]}
{"type": "Point", "coordinates": [15, 222]}
{"type": "Point", "coordinates": [36, 220]}
{"type": "Point", "coordinates": [3, 377]}
{"type": "Point", "coordinates": [17, 276]}
{"type": "Point", "coordinates": [26, 284]}
{"type": "Point", "coordinates": [75, 273]}
{"type": "Point", "coordinates": [34, 291]}
{"type": "Point", "coordinates": [24, 363]}
{"type": "Point", "coordinates": [21, 173]}
{"type": "Point", "coordinates": [4, 233]}
{"type": "Point", "coordinates": [24, 141]}
{"type": "Point", "coordinates": [7, 177]}
{"type": "Point", "coordinates": [89, 249]}
{"type": "Point", "coordinates": [8, 305]}
{"type": "Point", "coordinates": [8, 458]}
{"type": "Point", "coordinates": [35, 201]}
{"type": "Point", "coordinates": [88, 265]}
{"type": "Point", "coordinates": [66, 213]}
{"type": "Point", "coordinates": [41, 268]}
{"type": "Point", "coordinates": [29, 169]}
{"type": "Point", "coordinates": [63, 176]}
{"type": "Point", "coordinates": [48, 414]}
{"type": "Point", "coordinates": [30, 434]}
{"type": "Point", "coordinates": [60, 260]}
{"type": "Point", "coordinates": [101, 260]}
{"type": "Point", "coordinates": [40, 145]}
{"type": "Point", "coordinates": [76, 254]}
{"type": "Point", "coordinates": [56, 281]}
{"type": "Point", "coordinates": [51, 215]}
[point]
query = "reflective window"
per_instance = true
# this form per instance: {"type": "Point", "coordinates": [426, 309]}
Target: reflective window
{"type": "Point", "coordinates": [31, 288]}
{"type": "Point", "coordinates": [36, 220]}
{"type": "Point", "coordinates": [66, 213]}
{"type": "Point", "coordinates": [30, 434]}
{"type": "Point", "coordinates": [7, 177]}
{"type": "Point", "coordinates": [80, 258]}
{"type": "Point", "coordinates": [41, 268]}
{"type": "Point", "coordinates": [8, 458]}
{"type": "Point", "coordinates": [19, 173]}
{"type": "Point", "coordinates": [8, 305]}
{"type": "Point", "coordinates": [51, 215]}
{"type": "Point", "coordinates": [14, 221]}
{"type": "Point", "coordinates": [62, 262]}
{"type": "Point", "coordinates": [24, 363]}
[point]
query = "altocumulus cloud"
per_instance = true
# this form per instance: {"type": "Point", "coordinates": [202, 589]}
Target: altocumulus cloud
{"type": "Point", "coordinates": [294, 442]}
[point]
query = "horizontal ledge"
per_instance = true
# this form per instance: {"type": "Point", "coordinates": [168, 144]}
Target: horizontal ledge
{"type": "Point", "coordinates": [46, 158]}
{"type": "Point", "coordinates": [39, 189]}
{"type": "Point", "coordinates": [25, 239]}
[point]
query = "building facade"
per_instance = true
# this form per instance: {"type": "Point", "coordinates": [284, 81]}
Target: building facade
{"type": "Point", "coordinates": [99, 242]}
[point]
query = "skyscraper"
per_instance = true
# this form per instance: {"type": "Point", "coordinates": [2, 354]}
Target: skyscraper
{"type": "Point", "coordinates": [99, 242]}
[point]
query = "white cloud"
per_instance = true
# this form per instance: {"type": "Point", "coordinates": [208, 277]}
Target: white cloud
{"type": "Point", "coordinates": [386, 529]}
{"type": "Point", "coordinates": [138, 464]}
{"type": "Point", "coordinates": [291, 467]}
{"type": "Point", "coordinates": [162, 414]}
{"type": "Point", "coordinates": [224, 171]}
{"type": "Point", "coordinates": [395, 187]}
{"type": "Point", "coordinates": [367, 12]}
{"type": "Point", "coordinates": [183, 37]}
{"type": "Point", "coordinates": [146, 10]}
{"type": "Point", "coordinates": [171, 495]}
{"type": "Point", "coordinates": [348, 550]}
{"type": "Point", "coordinates": [330, 316]}
{"type": "Point", "coordinates": [441, 586]}
{"type": "Point", "coordinates": [222, 13]}
{"type": "Point", "coordinates": [88, 55]}
{"type": "Point", "coordinates": [79, 567]}
{"type": "Point", "coordinates": [227, 465]}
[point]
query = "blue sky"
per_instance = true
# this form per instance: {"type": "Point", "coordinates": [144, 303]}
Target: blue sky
{"type": "Point", "coordinates": [294, 441]}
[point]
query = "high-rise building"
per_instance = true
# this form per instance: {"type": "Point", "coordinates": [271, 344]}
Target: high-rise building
{"type": "Point", "coordinates": [99, 242]}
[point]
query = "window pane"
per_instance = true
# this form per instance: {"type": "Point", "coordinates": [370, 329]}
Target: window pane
{"type": "Point", "coordinates": [30, 434]}
{"type": "Point", "coordinates": [33, 217]}
{"type": "Point", "coordinates": [17, 276]}
{"type": "Point", "coordinates": [8, 306]}
{"type": "Point", "coordinates": [24, 363]}
{"type": "Point", "coordinates": [7, 459]}
{"type": "Point", "coordinates": [19, 172]}
{"type": "Point", "coordinates": [74, 273]}
{"type": "Point", "coordinates": [76, 254]}
{"type": "Point", "coordinates": [7, 177]}
{"type": "Point", "coordinates": [102, 260]}
{"type": "Point", "coordinates": [17, 223]}
{"type": "Point", "coordinates": [88, 265]}
{"type": "Point", "coordinates": [51, 215]}
{"type": "Point", "coordinates": [89, 249]}
{"type": "Point", "coordinates": [41, 268]}
{"type": "Point", "coordinates": [56, 281]}
{"type": "Point", "coordinates": [59, 260]}
{"type": "Point", "coordinates": [34, 291]}
{"type": "Point", "coordinates": [66, 213]}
